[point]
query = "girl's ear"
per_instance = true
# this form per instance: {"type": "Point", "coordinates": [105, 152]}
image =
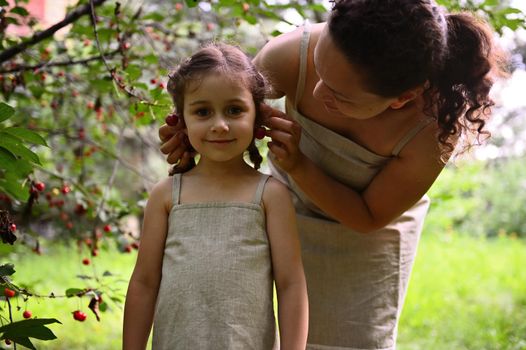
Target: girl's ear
{"type": "Point", "coordinates": [406, 97]}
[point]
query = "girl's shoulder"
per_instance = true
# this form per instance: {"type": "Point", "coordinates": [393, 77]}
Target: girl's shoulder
{"type": "Point", "coordinates": [162, 191]}
{"type": "Point", "coordinates": [275, 191]}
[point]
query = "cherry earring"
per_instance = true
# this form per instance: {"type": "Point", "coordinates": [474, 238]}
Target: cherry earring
{"type": "Point", "coordinates": [260, 132]}
{"type": "Point", "coordinates": [172, 119]}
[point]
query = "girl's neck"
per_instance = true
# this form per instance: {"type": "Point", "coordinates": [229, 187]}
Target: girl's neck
{"type": "Point", "coordinates": [234, 168]}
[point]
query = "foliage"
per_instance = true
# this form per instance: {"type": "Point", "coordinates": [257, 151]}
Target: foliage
{"type": "Point", "coordinates": [480, 198]}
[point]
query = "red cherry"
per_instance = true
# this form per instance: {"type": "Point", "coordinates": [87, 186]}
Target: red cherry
{"type": "Point", "coordinates": [95, 252]}
{"type": "Point", "coordinates": [9, 293]}
{"type": "Point", "coordinates": [40, 186]}
{"type": "Point", "coordinates": [127, 249]}
{"type": "Point", "coordinates": [7, 342]}
{"type": "Point", "coordinates": [27, 314]}
{"type": "Point", "coordinates": [12, 227]}
{"type": "Point", "coordinates": [79, 315]}
{"type": "Point", "coordinates": [107, 228]}
{"type": "Point", "coordinates": [79, 209]}
{"type": "Point", "coordinates": [172, 119]}
{"type": "Point", "coordinates": [86, 261]}
{"type": "Point", "coordinates": [66, 189]}
{"type": "Point", "coordinates": [153, 81]}
{"type": "Point", "coordinates": [178, 6]}
{"type": "Point", "coordinates": [69, 225]}
{"type": "Point", "coordinates": [259, 133]}
{"type": "Point", "coordinates": [135, 245]}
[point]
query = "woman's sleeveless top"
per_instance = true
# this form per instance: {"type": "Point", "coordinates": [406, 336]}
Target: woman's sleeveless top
{"type": "Point", "coordinates": [217, 287]}
{"type": "Point", "coordinates": [356, 282]}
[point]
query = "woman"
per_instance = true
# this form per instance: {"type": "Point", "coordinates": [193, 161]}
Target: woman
{"type": "Point", "coordinates": [376, 99]}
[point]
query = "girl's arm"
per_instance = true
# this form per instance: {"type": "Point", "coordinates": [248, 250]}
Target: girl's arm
{"type": "Point", "coordinates": [146, 277]}
{"type": "Point", "coordinates": [287, 266]}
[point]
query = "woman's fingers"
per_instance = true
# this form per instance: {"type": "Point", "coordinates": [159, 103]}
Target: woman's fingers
{"type": "Point", "coordinates": [176, 156]}
{"type": "Point", "coordinates": [171, 144]}
{"type": "Point", "coordinates": [268, 112]}
{"type": "Point", "coordinates": [166, 132]}
{"type": "Point", "coordinates": [278, 150]}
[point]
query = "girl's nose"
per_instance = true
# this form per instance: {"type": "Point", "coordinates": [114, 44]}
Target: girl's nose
{"type": "Point", "coordinates": [220, 124]}
{"type": "Point", "coordinates": [321, 92]}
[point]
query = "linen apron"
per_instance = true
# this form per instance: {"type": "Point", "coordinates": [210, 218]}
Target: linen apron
{"type": "Point", "coordinates": [217, 287]}
{"type": "Point", "coordinates": [356, 282]}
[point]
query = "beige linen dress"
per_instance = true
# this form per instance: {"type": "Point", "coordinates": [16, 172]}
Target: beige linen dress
{"type": "Point", "coordinates": [216, 286]}
{"type": "Point", "coordinates": [356, 282]}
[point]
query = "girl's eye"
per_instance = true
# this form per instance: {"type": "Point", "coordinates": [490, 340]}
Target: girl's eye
{"type": "Point", "coordinates": [202, 112]}
{"type": "Point", "coordinates": [234, 110]}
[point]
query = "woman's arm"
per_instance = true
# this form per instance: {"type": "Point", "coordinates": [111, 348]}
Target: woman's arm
{"type": "Point", "coordinates": [398, 186]}
{"type": "Point", "coordinates": [146, 277]}
{"type": "Point", "coordinates": [287, 266]}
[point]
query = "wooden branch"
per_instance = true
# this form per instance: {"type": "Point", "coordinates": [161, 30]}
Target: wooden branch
{"type": "Point", "coordinates": [69, 62]}
{"type": "Point", "coordinates": [70, 18]}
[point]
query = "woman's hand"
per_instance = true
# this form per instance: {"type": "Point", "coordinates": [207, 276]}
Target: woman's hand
{"type": "Point", "coordinates": [285, 133]}
{"type": "Point", "coordinates": [174, 142]}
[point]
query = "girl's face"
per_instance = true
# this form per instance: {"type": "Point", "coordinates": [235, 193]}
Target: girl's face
{"type": "Point", "coordinates": [341, 87]}
{"type": "Point", "coordinates": [219, 113]}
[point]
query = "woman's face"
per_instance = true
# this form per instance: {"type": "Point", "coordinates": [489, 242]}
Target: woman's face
{"type": "Point", "coordinates": [341, 87]}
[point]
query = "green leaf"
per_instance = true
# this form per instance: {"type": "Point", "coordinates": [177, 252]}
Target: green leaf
{"type": "Point", "coordinates": [26, 135]}
{"type": "Point", "coordinates": [7, 159]}
{"type": "Point", "coordinates": [191, 3]}
{"type": "Point", "coordinates": [15, 189]}
{"type": "Point", "coordinates": [6, 111]}
{"type": "Point", "coordinates": [19, 11]}
{"type": "Point", "coordinates": [24, 341]}
{"type": "Point", "coordinates": [151, 59]}
{"type": "Point", "coordinates": [3, 3]}
{"type": "Point", "coordinates": [21, 331]}
{"type": "Point", "coordinates": [13, 145]}
{"type": "Point", "coordinates": [134, 72]}
{"type": "Point", "coordinates": [7, 270]}
{"type": "Point", "coordinates": [72, 292]}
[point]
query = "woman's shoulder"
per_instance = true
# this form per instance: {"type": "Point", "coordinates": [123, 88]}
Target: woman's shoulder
{"type": "Point", "coordinates": [279, 59]}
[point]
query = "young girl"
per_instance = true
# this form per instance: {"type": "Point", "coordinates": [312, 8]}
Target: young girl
{"type": "Point", "coordinates": [217, 235]}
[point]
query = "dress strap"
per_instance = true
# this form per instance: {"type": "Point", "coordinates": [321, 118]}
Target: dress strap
{"type": "Point", "coordinates": [304, 49]}
{"type": "Point", "coordinates": [176, 189]}
{"type": "Point", "coordinates": [409, 136]}
{"type": "Point", "coordinates": [259, 190]}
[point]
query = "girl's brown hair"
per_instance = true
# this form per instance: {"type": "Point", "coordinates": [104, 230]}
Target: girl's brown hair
{"type": "Point", "coordinates": [230, 61]}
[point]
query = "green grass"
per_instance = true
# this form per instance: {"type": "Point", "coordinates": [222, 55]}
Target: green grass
{"type": "Point", "coordinates": [465, 293]}
{"type": "Point", "coordinates": [56, 271]}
